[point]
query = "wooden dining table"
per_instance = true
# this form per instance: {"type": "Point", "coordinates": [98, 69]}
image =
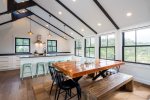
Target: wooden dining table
{"type": "Point", "coordinates": [76, 69]}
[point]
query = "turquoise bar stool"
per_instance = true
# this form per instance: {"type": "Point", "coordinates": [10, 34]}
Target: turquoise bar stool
{"type": "Point", "coordinates": [25, 66]}
{"type": "Point", "coordinates": [40, 65]}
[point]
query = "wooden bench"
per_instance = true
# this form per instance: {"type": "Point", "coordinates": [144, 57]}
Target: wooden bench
{"type": "Point", "coordinates": [101, 88]}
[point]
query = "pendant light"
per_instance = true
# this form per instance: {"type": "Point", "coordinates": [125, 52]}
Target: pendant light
{"type": "Point", "coordinates": [30, 32]}
{"type": "Point", "coordinates": [64, 29]}
{"type": "Point", "coordinates": [49, 35]}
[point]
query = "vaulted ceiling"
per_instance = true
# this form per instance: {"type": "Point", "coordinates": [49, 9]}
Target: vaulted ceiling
{"type": "Point", "coordinates": [86, 15]}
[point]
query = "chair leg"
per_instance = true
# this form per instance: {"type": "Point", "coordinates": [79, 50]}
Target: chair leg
{"type": "Point", "coordinates": [51, 88]}
{"type": "Point", "coordinates": [58, 94]}
{"type": "Point", "coordinates": [66, 96]}
{"type": "Point", "coordinates": [37, 71]}
{"type": "Point", "coordinates": [22, 76]}
{"type": "Point", "coordinates": [44, 70]}
{"type": "Point", "coordinates": [31, 72]}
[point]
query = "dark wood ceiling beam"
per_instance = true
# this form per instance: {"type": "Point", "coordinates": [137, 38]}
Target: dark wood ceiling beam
{"type": "Point", "coordinates": [51, 24]}
{"type": "Point", "coordinates": [106, 14]}
{"type": "Point", "coordinates": [17, 15]}
{"type": "Point", "coordinates": [76, 16]}
{"type": "Point", "coordinates": [6, 12]}
{"type": "Point", "coordinates": [46, 28]}
{"type": "Point", "coordinates": [13, 6]}
{"type": "Point", "coordinates": [6, 22]}
{"type": "Point", "coordinates": [58, 19]}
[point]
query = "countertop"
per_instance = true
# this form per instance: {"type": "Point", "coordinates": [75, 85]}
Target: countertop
{"type": "Point", "coordinates": [47, 55]}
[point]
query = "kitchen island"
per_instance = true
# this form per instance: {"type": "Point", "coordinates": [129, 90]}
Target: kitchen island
{"type": "Point", "coordinates": [11, 62]}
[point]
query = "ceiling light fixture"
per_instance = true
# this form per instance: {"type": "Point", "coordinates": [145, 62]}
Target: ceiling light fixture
{"type": "Point", "coordinates": [128, 14]}
{"type": "Point", "coordinates": [49, 35]}
{"type": "Point", "coordinates": [47, 25]}
{"type": "Point", "coordinates": [59, 12]}
{"type": "Point", "coordinates": [71, 33]}
{"type": "Point", "coordinates": [23, 11]}
{"type": "Point", "coordinates": [99, 24]}
{"type": "Point", "coordinates": [74, 0]}
{"type": "Point", "coordinates": [30, 32]}
{"type": "Point", "coordinates": [82, 30]}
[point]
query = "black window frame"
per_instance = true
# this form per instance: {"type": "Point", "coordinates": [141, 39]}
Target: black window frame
{"type": "Point", "coordinates": [51, 46]}
{"type": "Point", "coordinates": [22, 45]}
{"type": "Point", "coordinates": [85, 47]}
{"type": "Point", "coordinates": [77, 49]}
{"type": "Point", "coordinates": [134, 46]}
{"type": "Point", "coordinates": [106, 47]}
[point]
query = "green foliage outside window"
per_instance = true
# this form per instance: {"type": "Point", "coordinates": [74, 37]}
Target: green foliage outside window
{"type": "Point", "coordinates": [22, 45]}
{"type": "Point", "coordinates": [136, 46]}
{"type": "Point", "coordinates": [51, 46]}
{"type": "Point", "coordinates": [78, 48]}
{"type": "Point", "coordinates": [107, 46]}
{"type": "Point", "coordinates": [90, 47]}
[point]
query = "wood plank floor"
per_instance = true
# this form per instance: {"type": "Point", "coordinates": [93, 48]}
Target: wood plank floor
{"type": "Point", "coordinates": [12, 88]}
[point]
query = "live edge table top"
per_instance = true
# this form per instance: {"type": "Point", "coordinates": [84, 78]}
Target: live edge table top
{"type": "Point", "coordinates": [76, 69]}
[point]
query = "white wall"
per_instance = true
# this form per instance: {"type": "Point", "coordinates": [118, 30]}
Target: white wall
{"type": "Point", "coordinates": [20, 28]}
{"type": "Point", "coordinates": [140, 72]}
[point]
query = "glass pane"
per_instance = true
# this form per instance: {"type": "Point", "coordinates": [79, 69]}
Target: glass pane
{"type": "Point", "coordinates": [87, 52]}
{"type": "Point", "coordinates": [129, 38]}
{"type": "Point", "coordinates": [76, 52]}
{"type": "Point", "coordinates": [143, 37]}
{"type": "Point", "coordinates": [129, 54]}
{"type": "Point", "coordinates": [143, 54]}
{"type": "Point", "coordinates": [92, 42]}
{"type": "Point", "coordinates": [19, 41]}
{"type": "Point", "coordinates": [49, 43]}
{"type": "Point", "coordinates": [88, 42]}
{"type": "Point", "coordinates": [53, 43]}
{"type": "Point", "coordinates": [80, 52]}
{"type": "Point", "coordinates": [110, 53]}
{"type": "Point", "coordinates": [54, 49]}
{"type": "Point", "coordinates": [111, 40]}
{"type": "Point", "coordinates": [26, 42]}
{"type": "Point", "coordinates": [103, 40]}
{"type": "Point", "coordinates": [92, 52]}
{"type": "Point", "coordinates": [103, 53]}
{"type": "Point", "coordinates": [50, 49]}
{"type": "Point", "coordinates": [22, 49]}
{"type": "Point", "coordinates": [79, 44]}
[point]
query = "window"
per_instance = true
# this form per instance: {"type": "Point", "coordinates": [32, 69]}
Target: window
{"type": "Point", "coordinates": [107, 46]}
{"type": "Point", "coordinates": [136, 46]}
{"type": "Point", "coordinates": [22, 45]}
{"type": "Point", "coordinates": [51, 46]}
{"type": "Point", "coordinates": [78, 48]}
{"type": "Point", "coordinates": [90, 47]}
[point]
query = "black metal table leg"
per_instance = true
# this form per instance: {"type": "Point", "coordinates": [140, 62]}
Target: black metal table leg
{"type": "Point", "coordinates": [100, 74]}
{"type": "Point", "coordinates": [77, 79]}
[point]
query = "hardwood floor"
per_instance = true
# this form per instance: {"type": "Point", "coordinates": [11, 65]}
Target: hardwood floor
{"type": "Point", "coordinates": [12, 88]}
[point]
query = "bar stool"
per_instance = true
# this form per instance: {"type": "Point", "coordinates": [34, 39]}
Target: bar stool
{"type": "Point", "coordinates": [40, 64]}
{"type": "Point", "coordinates": [26, 65]}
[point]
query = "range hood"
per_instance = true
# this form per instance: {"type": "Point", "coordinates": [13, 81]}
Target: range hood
{"type": "Point", "coordinates": [39, 41]}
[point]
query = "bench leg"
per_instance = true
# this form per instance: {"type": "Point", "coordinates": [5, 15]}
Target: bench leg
{"type": "Point", "coordinates": [128, 86]}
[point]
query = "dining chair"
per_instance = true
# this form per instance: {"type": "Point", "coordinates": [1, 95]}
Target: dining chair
{"type": "Point", "coordinates": [66, 86]}
{"type": "Point", "coordinates": [52, 73]}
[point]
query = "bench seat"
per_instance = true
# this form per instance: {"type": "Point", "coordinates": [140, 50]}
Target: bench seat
{"type": "Point", "coordinates": [101, 88]}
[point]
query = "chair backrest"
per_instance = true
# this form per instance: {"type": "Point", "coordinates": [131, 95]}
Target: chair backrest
{"type": "Point", "coordinates": [59, 78]}
{"type": "Point", "coordinates": [52, 71]}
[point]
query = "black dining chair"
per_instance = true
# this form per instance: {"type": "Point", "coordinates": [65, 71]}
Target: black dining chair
{"type": "Point", "coordinates": [66, 86]}
{"type": "Point", "coordinates": [52, 72]}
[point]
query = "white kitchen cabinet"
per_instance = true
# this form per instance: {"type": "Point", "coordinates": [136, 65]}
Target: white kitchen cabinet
{"type": "Point", "coordinates": [9, 63]}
